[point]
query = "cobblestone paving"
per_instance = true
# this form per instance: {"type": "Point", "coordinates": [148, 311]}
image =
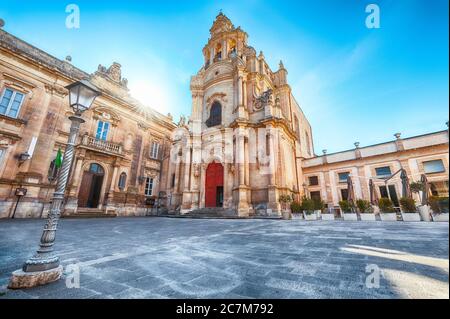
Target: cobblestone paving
{"type": "Point", "coordinates": [184, 258]}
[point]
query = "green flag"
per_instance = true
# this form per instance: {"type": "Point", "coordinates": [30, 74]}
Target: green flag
{"type": "Point", "coordinates": [58, 159]}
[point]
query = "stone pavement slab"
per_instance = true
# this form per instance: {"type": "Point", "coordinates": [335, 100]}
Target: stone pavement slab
{"type": "Point", "coordinates": [203, 258]}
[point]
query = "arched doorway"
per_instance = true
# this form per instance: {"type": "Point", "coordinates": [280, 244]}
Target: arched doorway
{"type": "Point", "coordinates": [214, 185]}
{"type": "Point", "coordinates": [91, 187]}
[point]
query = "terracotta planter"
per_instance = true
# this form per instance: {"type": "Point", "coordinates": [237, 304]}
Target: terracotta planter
{"type": "Point", "coordinates": [367, 217]}
{"type": "Point", "coordinates": [424, 212]}
{"type": "Point", "coordinates": [350, 217]}
{"type": "Point", "coordinates": [388, 217]}
{"type": "Point", "coordinates": [440, 217]}
{"type": "Point", "coordinates": [312, 216]}
{"type": "Point", "coordinates": [327, 216]}
{"type": "Point", "coordinates": [411, 217]}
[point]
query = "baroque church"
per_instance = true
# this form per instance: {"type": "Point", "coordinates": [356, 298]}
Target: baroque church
{"type": "Point", "coordinates": [243, 144]}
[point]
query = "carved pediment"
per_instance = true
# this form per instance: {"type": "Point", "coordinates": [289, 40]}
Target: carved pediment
{"type": "Point", "coordinates": [113, 74]}
{"type": "Point", "coordinates": [217, 97]}
{"type": "Point", "coordinates": [106, 114]}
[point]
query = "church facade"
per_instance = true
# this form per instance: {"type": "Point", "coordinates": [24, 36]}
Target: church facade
{"type": "Point", "coordinates": [243, 145]}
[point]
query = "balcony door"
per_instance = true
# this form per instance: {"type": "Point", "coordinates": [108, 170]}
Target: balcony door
{"type": "Point", "coordinates": [91, 187]}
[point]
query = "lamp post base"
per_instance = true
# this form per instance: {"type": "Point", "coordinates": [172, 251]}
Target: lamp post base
{"type": "Point", "coordinates": [22, 280]}
{"type": "Point", "coordinates": [40, 263]}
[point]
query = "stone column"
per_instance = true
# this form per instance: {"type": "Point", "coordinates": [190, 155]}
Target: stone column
{"type": "Point", "coordinates": [246, 164]}
{"type": "Point", "coordinates": [76, 176]}
{"type": "Point", "coordinates": [244, 94]}
{"type": "Point", "coordinates": [187, 195]}
{"type": "Point", "coordinates": [113, 180]}
{"type": "Point", "coordinates": [242, 206]}
{"type": "Point", "coordinates": [273, 207]}
{"type": "Point", "coordinates": [239, 90]}
{"type": "Point", "coordinates": [112, 188]}
{"type": "Point", "coordinates": [224, 50]}
{"type": "Point", "coordinates": [202, 184]}
{"type": "Point", "coordinates": [241, 157]}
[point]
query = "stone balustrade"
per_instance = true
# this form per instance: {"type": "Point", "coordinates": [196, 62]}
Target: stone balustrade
{"type": "Point", "coordinates": [101, 145]}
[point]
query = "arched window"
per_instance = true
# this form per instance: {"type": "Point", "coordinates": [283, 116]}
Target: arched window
{"type": "Point", "coordinates": [308, 143]}
{"type": "Point", "coordinates": [218, 52]}
{"type": "Point", "coordinates": [215, 115]}
{"type": "Point", "coordinates": [122, 181]}
{"type": "Point", "coordinates": [297, 128]}
{"type": "Point", "coordinates": [95, 168]}
{"type": "Point", "coordinates": [232, 48]}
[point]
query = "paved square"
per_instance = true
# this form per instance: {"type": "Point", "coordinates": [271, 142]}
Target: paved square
{"type": "Point", "coordinates": [185, 258]}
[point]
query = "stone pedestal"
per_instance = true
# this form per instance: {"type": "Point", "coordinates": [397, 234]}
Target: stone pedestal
{"type": "Point", "coordinates": [242, 206]}
{"type": "Point", "coordinates": [23, 280]}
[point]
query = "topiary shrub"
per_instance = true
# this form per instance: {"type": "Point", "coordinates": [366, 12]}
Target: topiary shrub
{"type": "Point", "coordinates": [408, 205]}
{"type": "Point", "coordinates": [386, 205]}
{"type": "Point", "coordinates": [319, 204]}
{"type": "Point", "coordinates": [438, 204]}
{"type": "Point", "coordinates": [296, 207]}
{"type": "Point", "coordinates": [346, 206]}
{"type": "Point", "coordinates": [307, 206]}
{"type": "Point", "coordinates": [364, 206]}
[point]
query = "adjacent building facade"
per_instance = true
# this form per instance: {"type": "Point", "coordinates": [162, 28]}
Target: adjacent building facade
{"type": "Point", "coordinates": [122, 152]}
{"type": "Point", "coordinates": [325, 176]}
{"type": "Point", "coordinates": [246, 144]}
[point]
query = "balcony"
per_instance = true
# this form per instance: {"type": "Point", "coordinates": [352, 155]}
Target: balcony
{"type": "Point", "coordinates": [100, 145]}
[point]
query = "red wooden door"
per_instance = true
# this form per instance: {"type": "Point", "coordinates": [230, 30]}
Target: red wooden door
{"type": "Point", "coordinates": [214, 179]}
{"type": "Point", "coordinates": [85, 189]}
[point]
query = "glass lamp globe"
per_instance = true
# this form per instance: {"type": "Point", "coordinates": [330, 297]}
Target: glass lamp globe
{"type": "Point", "coordinates": [81, 95]}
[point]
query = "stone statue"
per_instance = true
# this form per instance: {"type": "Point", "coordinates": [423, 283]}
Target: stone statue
{"type": "Point", "coordinates": [182, 121]}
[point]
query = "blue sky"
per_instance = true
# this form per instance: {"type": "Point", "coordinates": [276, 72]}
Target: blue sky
{"type": "Point", "coordinates": [353, 83]}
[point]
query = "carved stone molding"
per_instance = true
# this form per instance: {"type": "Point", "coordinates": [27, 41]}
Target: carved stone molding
{"type": "Point", "coordinates": [56, 90]}
{"type": "Point", "coordinates": [217, 96]}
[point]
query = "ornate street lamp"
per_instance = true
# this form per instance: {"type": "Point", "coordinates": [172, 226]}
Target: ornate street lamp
{"type": "Point", "coordinates": [44, 266]}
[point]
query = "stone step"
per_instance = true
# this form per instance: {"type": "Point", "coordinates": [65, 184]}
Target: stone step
{"type": "Point", "coordinates": [211, 212]}
{"type": "Point", "coordinates": [90, 213]}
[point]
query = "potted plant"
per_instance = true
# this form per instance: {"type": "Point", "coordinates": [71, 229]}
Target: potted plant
{"type": "Point", "coordinates": [319, 206]}
{"type": "Point", "coordinates": [365, 210]}
{"type": "Point", "coordinates": [439, 206]}
{"type": "Point", "coordinates": [327, 214]}
{"type": "Point", "coordinates": [348, 210]}
{"type": "Point", "coordinates": [409, 210]}
{"type": "Point", "coordinates": [285, 200]}
{"type": "Point", "coordinates": [308, 209]}
{"type": "Point", "coordinates": [424, 210]}
{"type": "Point", "coordinates": [296, 209]}
{"type": "Point", "coordinates": [387, 211]}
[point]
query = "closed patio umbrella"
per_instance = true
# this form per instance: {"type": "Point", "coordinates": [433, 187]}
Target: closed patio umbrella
{"type": "Point", "coordinates": [373, 193]}
{"type": "Point", "coordinates": [426, 189]}
{"type": "Point", "coordinates": [406, 190]}
{"type": "Point", "coordinates": [351, 192]}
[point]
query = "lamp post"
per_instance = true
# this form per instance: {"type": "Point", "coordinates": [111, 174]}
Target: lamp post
{"type": "Point", "coordinates": [44, 266]}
